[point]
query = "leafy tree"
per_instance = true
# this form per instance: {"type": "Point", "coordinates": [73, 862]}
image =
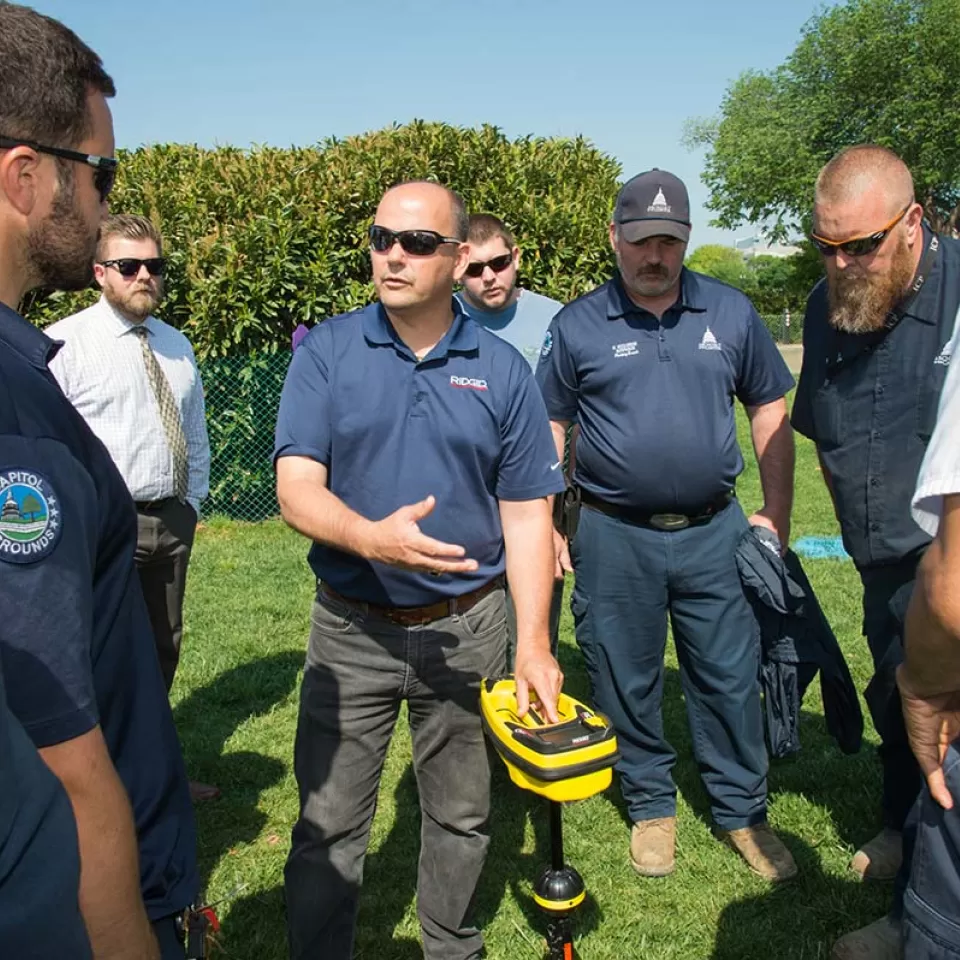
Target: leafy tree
{"type": "Point", "coordinates": [880, 71]}
{"type": "Point", "coordinates": [31, 507]}
{"type": "Point", "coordinates": [724, 263]}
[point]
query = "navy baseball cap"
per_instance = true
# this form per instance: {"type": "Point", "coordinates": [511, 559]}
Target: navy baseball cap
{"type": "Point", "coordinates": [653, 204]}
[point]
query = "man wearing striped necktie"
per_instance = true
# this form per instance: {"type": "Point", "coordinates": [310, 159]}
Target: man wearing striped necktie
{"type": "Point", "coordinates": [135, 381]}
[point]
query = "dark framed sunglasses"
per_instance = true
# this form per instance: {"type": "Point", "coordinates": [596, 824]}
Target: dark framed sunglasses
{"type": "Point", "coordinates": [104, 168]}
{"type": "Point", "coordinates": [858, 246]}
{"type": "Point", "coordinates": [498, 264]}
{"type": "Point", "coordinates": [418, 243]}
{"type": "Point", "coordinates": [130, 266]}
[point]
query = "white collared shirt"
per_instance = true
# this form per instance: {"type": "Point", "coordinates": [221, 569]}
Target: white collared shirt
{"type": "Point", "coordinates": [100, 368]}
{"type": "Point", "coordinates": [940, 470]}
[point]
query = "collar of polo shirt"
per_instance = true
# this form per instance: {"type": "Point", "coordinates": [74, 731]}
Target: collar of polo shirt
{"type": "Point", "coordinates": [31, 343]}
{"type": "Point", "coordinates": [460, 338]}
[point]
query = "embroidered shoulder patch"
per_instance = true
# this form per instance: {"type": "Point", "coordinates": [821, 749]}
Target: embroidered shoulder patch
{"type": "Point", "coordinates": [547, 345]}
{"type": "Point", "coordinates": [30, 522]}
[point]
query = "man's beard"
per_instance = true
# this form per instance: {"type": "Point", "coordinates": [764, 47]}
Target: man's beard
{"type": "Point", "coordinates": [137, 302]}
{"type": "Point", "coordinates": [861, 304]}
{"type": "Point", "coordinates": [61, 249]}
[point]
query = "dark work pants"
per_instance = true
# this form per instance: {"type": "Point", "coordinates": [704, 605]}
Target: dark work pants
{"type": "Point", "coordinates": [556, 607]}
{"type": "Point", "coordinates": [628, 579]}
{"type": "Point", "coordinates": [931, 905]}
{"type": "Point", "coordinates": [359, 668]}
{"type": "Point", "coordinates": [901, 775]}
{"type": "Point", "coordinates": [164, 540]}
{"type": "Point", "coordinates": [171, 943]}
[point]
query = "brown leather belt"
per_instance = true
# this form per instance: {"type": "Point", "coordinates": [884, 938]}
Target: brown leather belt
{"type": "Point", "coordinates": [667, 522]}
{"type": "Point", "coordinates": [412, 616]}
{"type": "Point", "coordinates": [148, 506]}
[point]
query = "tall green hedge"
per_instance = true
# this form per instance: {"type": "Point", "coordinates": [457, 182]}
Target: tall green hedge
{"type": "Point", "coordinates": [260, 240]}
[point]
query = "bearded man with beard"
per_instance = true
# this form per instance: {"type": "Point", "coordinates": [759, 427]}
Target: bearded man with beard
{"type": "Point", "coordinates": [87, 727]}
{"type": "Point", "coordinates": [135, 381]}
{"type": "Point", "coordinates": [648, 365]}
{"type": "Point", "coordinates": [877, 337]}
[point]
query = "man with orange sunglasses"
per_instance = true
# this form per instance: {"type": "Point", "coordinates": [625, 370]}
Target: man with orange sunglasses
{"type": "Point", "coordinates": [876, 338]}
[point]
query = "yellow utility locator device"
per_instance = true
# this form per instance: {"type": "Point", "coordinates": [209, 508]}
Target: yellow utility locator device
{"type": "Point", "coordinates": [569, 760]}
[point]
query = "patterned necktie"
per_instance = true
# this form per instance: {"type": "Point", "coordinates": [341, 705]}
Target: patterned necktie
{"type": "Point", "coordinates": [169, 413]}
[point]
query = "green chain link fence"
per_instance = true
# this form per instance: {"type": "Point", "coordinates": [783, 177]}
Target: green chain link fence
{"type": "Point", "coordinates": [242, 396]}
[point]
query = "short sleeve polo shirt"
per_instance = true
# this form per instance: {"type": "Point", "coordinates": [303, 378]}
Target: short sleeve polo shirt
{"type": "Point", "coordinates": [869, 402]}
{"type": "Point", "coordinates": [655, 398]}
{"type": "Point", "coordinates": [466, 424]}
{"type": "Point", "coordinates": [75, 638]}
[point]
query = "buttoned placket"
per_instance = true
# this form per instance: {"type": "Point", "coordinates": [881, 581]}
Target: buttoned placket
{"type": "Point", "coordinates": [877, 449]}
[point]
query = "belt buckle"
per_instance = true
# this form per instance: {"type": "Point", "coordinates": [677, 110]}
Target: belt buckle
{"type": "Point", "coordinates": [669, 522]}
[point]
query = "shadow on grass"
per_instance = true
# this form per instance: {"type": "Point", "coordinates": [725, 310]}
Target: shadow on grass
{"type": "Point", "coordinates": [205, 721]}
{"type": "Point", "coordinates": [798, 920]}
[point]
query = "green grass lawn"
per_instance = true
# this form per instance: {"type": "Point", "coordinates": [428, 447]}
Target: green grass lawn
{"type": "Point", "coordinates": [235, 702]}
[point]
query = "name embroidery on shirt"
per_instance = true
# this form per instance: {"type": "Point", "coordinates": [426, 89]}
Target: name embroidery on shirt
{"type": "Point", "coordinates": [709, 341]}
{"type": "Point", "coordinates": [30, 523]}
{"type": "Point", "coordinates": [468, 383]}
{"type": "Point", "coordinates": [628, 349]}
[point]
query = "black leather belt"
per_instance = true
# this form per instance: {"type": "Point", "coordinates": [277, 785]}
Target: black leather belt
{"type": "Point", "coordinates": [148, 506]}
{"type": "Point", "coordinates": [668, 522]}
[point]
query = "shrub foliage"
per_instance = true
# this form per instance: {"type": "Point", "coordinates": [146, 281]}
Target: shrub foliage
{"type": "Point", "coordinates": [260, 240]}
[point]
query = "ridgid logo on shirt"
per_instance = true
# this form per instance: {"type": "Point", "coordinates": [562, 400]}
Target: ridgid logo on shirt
{"type": "Point", "coordinates": [468, 383]}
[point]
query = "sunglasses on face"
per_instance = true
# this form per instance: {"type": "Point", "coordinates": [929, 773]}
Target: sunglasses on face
{"type": "Point", "coordinates": [129, 267]}
{"type": "Point", "coordinates": [418, 243]}
{"type": "Point", "coordinates": [858, 246]}
{"type": "Point", "coordinates": [498, 264]}
{"type": "Point", "coordinates": [104, 168]}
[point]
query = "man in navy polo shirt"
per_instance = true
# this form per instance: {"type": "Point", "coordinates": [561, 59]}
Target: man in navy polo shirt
{"type": "Point", "coordinates": [877, 348]}
{"type": "Point", "coordinates": [80, 669]}
{"type": "Point", "coordinates": [649, 366]}
{"type": "Point", "coordinates": [413, 448]}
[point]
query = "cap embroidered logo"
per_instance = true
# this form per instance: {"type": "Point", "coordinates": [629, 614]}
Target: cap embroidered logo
{"type": "Point", "coordinates": [660, 204]}
{"type": "Point", "coordinates": [30, 523]}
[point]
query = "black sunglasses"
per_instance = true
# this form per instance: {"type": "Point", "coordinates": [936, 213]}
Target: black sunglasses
{"type": "Point", "coordinates": [498, 264]}
{"type": "Point", "coordinates": [858, 246]}
{"type": "Point", "coordinates": [105, 168]}
{"type": "Point", "coordinates": [130, 266]}
{"type": "Point", "coordinates": [419, 243]}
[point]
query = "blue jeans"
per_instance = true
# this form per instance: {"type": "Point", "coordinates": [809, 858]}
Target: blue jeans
{"type": "Point", "coordinates": [931, 904]}
{"type": "Point", "coordinates": [628, 579]}
{"type": "Point", "coordinates": [360, 666]}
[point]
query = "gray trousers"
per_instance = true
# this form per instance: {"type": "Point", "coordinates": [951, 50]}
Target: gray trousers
{"type": "Point", "coordinates": [360, 666]}
{"type": "Point", "coordinates": [165, 532]}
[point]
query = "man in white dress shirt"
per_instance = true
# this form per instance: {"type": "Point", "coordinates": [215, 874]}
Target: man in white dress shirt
{"type": "Point", "coordinates": [135, 381]}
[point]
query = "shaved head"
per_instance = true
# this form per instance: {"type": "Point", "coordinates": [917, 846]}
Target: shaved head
{"type": "Point", "coordinates": [867, 191]}
{"type": "Point", "coordinates": [431, 194]}
{"type": "Point", "coordinates": [865, 168]}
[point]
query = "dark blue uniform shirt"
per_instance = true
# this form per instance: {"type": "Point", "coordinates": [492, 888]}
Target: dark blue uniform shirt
{"type": "Point", "coordinates": [75, 638]}
{"type": "Point", "coordinates": [39, 854]}
{"type": "Point", "coordinates": [466, 424]}
{"type": "Point", "coordinates": [869, 402]}
{"type": "Point", "coordinates": [654, 398]}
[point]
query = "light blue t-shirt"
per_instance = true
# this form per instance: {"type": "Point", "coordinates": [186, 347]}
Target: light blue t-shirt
{"type": "Point", "coordinates": [523, 324]}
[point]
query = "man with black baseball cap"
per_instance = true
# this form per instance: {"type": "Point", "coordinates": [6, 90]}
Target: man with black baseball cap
{"type": "Point", "coordinates": [648, 365]}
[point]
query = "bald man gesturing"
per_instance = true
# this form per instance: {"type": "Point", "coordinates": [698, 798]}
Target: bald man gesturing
{"type": "Point", "coordinates": [876, 340]}
{"type": "Point", "coordinates": [413, 448]}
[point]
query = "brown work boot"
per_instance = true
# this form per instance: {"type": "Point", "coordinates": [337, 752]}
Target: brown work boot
{"type": "Point", "coordinates": [879, 941]}
{"type": "Point", "coordinates": [652, 845]}
{"type": "Point", "coordinates": [879, 858]}
{"type": "Point", "coordinates": [762, 850]}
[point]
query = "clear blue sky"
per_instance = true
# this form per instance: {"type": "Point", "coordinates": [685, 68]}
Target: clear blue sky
{"type": "Point", "coordinates": [623, 73]}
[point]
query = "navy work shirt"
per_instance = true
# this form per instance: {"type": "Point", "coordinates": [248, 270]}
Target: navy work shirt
{"type": "Point", "coordinates": [869, 402]}
{"type": "Point", "coordinates": [654, 398]}
{"type": "Point", "coordinates": [75, 638]}
{"type": "Point", "coordinates": [466, 424]}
